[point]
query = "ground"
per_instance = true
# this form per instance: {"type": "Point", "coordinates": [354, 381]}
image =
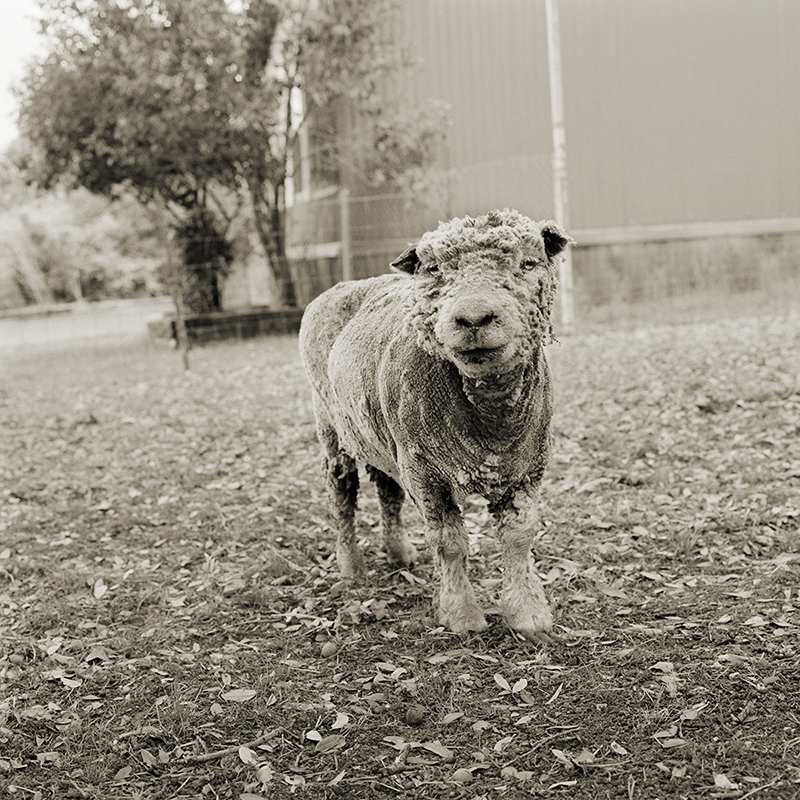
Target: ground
{"type": "Point", "coordinates": [172, 624]}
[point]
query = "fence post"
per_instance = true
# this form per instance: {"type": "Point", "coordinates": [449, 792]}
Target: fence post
{"type": "Point", "coordinates": [559, 160]}
{"type": "Point", "coordinates": [344, 224]}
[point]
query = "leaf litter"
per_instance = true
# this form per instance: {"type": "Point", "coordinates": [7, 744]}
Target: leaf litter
{"type": "Point", "coordinates": [173, 624]}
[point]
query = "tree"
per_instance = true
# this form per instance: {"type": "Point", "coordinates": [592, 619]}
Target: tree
{"type": "Point", "coordinates": [133, 94]}
{"type": "Point", "coordinates": [192, 105]}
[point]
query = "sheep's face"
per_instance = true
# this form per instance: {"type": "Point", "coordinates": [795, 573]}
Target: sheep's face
{"type": "Point", "coordinates": [484, 290]}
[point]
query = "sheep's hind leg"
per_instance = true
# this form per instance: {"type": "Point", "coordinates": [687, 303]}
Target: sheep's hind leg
{"type": "Point", "coordinates": [399, 549]}
{"type": "Point", "coordinates": [342, 481]}
{"type": "Point", "coordinates": [523, 601]}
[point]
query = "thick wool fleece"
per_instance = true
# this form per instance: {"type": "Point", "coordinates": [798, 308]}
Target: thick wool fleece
{"type": "Point", "coordinates": [436, 379]}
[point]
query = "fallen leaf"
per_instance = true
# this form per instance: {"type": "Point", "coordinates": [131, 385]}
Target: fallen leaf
{"type": "Point", "coordinates": [338, 779]}
{"type": "Point", "coordinates": [439, 749]}
{"type": "Point", "coordinates": [248, 756]}
{"type": "Point", "coordinates": [340, 722]}
{"type": "Point", "coordinates": [502, 682]}
{"type": "Point", "coordinates": [721, 781]}
{"type": "Point", "coordinates": [693, 712]}
{"type": "Point", "coordinates": [240, 695]}
{"type": "Point", "coordinates": [330, 743]}
{"type": "Point", "coordinates": [555, 694]}
{"type": "Point", "coordinates": [448, 718]}
{"type": "Point", "coordinates": [265, 774]}
{"type": "Point", "coordinates": [97, 653]}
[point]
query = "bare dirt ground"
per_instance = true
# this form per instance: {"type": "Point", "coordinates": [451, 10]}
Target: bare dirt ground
{"type": "Point", "coordinates": [172, 624]}
{"type": "Point", "coordinates": [78, 324]}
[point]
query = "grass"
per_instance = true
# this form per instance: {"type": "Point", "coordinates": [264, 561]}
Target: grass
{"type": "Point", "coordinates": [172, 624]}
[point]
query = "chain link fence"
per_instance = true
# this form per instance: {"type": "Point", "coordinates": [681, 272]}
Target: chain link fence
{"type": "Point", "coordinates": [657, 273]}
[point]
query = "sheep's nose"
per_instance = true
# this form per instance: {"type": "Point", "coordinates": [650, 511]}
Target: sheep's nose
{"type": "Point", "coordinates": [474, 315]}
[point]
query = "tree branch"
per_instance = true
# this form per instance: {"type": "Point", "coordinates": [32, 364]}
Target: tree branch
{"type": "Point", "coordinates": [233, 749]}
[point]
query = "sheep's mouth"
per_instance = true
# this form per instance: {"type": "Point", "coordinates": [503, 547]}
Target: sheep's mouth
{"type": "Point", "coordinates": [479, 354]}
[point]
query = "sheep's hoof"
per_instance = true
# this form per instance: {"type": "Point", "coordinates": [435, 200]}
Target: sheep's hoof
{"type": "Point", "coordinates": [534, 626]}
{"type": "Point", "coordinates": [351, 564]}
{"type": "Point", "coordinates": [466, 619]}
{"type": "Point", "coordinates": [537, 637]}
{"type": "Point", "coordinates": [401, 553]}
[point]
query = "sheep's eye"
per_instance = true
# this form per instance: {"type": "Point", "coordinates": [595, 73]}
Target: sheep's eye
{"type": "Point", "coordinates": [433, 269]}
{"type": "Point", "coordinates": [531, 263]}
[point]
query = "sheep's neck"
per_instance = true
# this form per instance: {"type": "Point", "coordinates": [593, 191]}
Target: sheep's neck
{"type": "Point", "coordinates": [501, 396]}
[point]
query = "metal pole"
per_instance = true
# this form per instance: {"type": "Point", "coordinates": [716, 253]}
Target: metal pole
{"type": "Point", "coordinates": [559, 159]}
{"type": "Point", "coordinates": [344, 222]}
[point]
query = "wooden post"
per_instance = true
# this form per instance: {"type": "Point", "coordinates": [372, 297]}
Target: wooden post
{"type": "Point", "coordinates": [344, 224]}
{"type": "Point", "coordinates": [559, 160]}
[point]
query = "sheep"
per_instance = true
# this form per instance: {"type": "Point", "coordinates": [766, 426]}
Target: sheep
{"type": "Point", "coordinates": [434, 377]}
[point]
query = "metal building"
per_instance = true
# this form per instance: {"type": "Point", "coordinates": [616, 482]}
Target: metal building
{"type": "Point", "coordinates": [682, 120]}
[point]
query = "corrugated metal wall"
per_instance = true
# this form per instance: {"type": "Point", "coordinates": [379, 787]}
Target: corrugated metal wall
{"type": "Point", "coordinates": [680, 115]}
{"type": "Point", "coordinates": [676, 110]}
{"type": "Point", "coordinates": [488, 60]}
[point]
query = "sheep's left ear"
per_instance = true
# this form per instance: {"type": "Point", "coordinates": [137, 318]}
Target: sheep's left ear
{"type": "Point", "coordinates": [555, 239]}
{"type": "Point", "coordinates": [408, 261]}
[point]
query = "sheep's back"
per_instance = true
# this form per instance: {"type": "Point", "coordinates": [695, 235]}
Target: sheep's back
{"type": "Point", "coordinates": [345, 335]}
{"type": "Point", "coordinates": [329, 314]}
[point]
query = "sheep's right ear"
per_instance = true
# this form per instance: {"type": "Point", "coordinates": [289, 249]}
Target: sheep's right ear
{"type": "Point", "coordinates": [408, 261]}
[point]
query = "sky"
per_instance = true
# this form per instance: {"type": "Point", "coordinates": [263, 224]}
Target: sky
{"type": "Point", "coordinates": [18, 45]}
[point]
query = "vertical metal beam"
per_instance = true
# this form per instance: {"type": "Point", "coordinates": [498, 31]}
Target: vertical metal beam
{"type": "Point", "coordinates": [559, 159]}
{"type": "Point", "coordinates": [344, 224]}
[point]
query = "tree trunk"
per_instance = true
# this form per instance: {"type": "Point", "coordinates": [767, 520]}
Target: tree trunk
{"type": "Point", "coordinates": [269, 222]}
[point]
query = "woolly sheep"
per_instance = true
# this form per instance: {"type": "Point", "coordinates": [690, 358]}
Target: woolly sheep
{"type": "Point", "coordinates": [435, 378]}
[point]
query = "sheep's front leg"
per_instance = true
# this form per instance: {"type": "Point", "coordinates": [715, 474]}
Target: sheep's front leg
{"type": "Point", "coordinates": [522, 599]}
{"type": "Point", "coordinates": [458, 608]}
